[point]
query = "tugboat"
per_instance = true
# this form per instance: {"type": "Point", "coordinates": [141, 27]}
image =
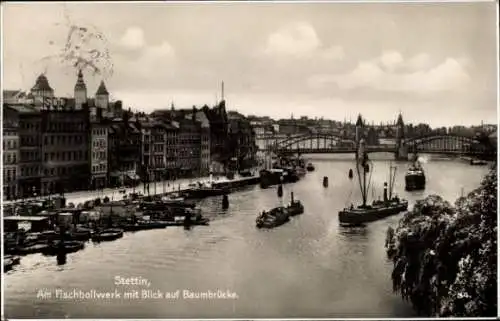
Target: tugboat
{"type": "Point", "coordinates": [279, 215]}
{"type": "Point", "coordinates": [295, 207]}
{"type": "Point", "coordinates": [273, 218]}
{"type": "Point", "coordinates": [310, 167]}
{"type": "Point", "coordinates": [365, 213]}
{"type": "Point", "coordinates": [415, 177]}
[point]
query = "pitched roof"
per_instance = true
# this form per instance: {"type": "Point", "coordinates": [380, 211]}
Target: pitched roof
{"type": "Point", "coordinates": [9, 94]}
{"type": "Point", "coordinates": [23, 108]}
{"type": "Point", "coordinates": [42, 83]}
{"type": "Point", "coordinates": [102, 89]}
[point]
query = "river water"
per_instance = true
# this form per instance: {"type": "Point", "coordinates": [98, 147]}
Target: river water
{"type": "Point", "coordinates": [309, 267]}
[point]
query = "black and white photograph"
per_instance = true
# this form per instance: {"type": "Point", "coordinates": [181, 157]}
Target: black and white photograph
{"type": "Point", "coordinates": [249, 159]}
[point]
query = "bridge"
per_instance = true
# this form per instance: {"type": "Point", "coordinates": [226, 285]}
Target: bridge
{"type": "Point", "coordinates": [449, 144]}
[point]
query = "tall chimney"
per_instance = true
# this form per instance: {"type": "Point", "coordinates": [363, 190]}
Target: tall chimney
{"type": "Point", "coordinates": [222, 91]}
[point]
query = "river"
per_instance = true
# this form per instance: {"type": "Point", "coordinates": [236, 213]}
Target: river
{"type": "Point", "coordinates": [309, 267]}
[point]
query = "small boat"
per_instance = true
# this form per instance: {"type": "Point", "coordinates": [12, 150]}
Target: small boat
{"type": "Point", "coordinates": [415, 177]}
{"type": "Point", "coordinates": [63, 247]}
{"type": "Point", "coordinates": [182, 222]}
{"type": "Point", "coordinates": [30, 249]}
{"type": "Point", "coordinates": [80, 234]}
{"type": "Point", "coordinates": [246, 173]}
{"type": "Point", "coordinates": [9, 261]}
{"type": "Point", "coordinates": [378, 209]}
{"type": "Point", "coordinates": [107, 235]}
{"type": "Point", "coordinates": [273, 218]}
{"type": "Point", "coordinates": [203, 190]}
{"type": "Point", "coordinates": [276, 176]}
{"type": "Point", "coordinates": [478, 162]}
{"type": "Point", "coordinates": [310, 167]}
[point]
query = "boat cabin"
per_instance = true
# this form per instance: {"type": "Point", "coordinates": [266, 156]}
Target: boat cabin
{"type": "Point", "coordinates": [36, 223]}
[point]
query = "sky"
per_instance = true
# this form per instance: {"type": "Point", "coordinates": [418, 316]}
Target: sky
{"type": "Point", "coordinates": [434, 62]}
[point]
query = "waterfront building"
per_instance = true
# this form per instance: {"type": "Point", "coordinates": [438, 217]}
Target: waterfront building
{"type": "Point", "coordinates": [99, 151]}
{"type": "Point", "coordinates": [124, 151]}
{"type": "Point", "coordinates": [30, 161]}
{"type": "Point", "coordinates": [189, 146]}
{"type": "Point", "coordinates": [218, 120]}
{"type": "Point", "coordinates": [65, 148]}
{"type": "Point", "coordinates": [242, 141]}
{"type": "Point", "coordinates": [10, 142]}
{"type": "Point", "coordinates": [153, 156]}
{"type": "Point", "coordinates": [171, 147]}
{"type": "Point", "coordinates": [204, 130]}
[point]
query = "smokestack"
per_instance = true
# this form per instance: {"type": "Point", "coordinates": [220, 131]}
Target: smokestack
{"type": "Point", "coordinates": [222, 91]}
{"type": "Point", "coordinates": [385, 191]}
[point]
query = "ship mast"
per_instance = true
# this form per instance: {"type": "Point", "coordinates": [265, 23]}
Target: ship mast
{"type": "Point", "coordinates": [361, 166]}
{"type": "Point", "coordinates": [392, 178]}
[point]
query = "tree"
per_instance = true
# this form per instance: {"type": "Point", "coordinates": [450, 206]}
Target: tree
{"type": "Point", "coordinates": [445, 257]}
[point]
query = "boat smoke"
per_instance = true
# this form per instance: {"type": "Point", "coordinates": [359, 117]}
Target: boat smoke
{"type": "Point", "coordinates": [423, 160]}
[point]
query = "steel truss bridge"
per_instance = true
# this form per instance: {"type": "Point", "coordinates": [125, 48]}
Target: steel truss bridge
{"type": "Point", "coordinates": [333, 144]}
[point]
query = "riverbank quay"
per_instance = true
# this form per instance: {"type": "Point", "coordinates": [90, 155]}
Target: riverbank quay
{"type": "Point", "coordinates": [155, 188]}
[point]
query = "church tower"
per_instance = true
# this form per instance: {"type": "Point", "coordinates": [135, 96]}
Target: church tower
{"type": "Point", "coordinates": [102, 97]}
{"type": "Point", "coordinates": [80, 91]}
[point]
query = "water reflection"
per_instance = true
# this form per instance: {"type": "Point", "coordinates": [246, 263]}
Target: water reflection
{"type": "Point", "coordinates": [349, 231]}
{"type": "Point", "coordinates": [61, 258]}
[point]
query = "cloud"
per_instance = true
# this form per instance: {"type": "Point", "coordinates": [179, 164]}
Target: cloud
{"type": "Point", "coordinates": [150, 65]}
{"type": "Point", "coordinates": [299, 40]}
{"type": "Point", "coordinates": [391, 73]}
{"type": "Point", "coordinates": [391, 60]}
{"type": "Point", "coordinates": [142, 60]}
{"type": "Point", "coordinates": [419, 62]}
{"type": "Point", "coordinates": [133, 38]}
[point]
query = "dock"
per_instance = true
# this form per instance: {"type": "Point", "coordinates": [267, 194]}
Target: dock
{"type": "Point", "coordinates": [117, 194]}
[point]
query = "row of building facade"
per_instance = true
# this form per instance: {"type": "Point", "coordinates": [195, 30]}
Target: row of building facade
{"type": "Point", "coordinates": [56, 145]}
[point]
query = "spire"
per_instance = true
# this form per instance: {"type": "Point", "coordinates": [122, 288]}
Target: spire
{"type": "Point", "coordinates": [102, 89]}
{"type": "Point", "coordinates": [80, 83]}
{"type": "Point", "coordinates": [359, 122]}
{"type": "Point", "coordinates": [400, 119]}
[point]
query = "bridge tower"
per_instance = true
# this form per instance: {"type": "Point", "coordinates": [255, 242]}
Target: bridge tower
{"type": "Point", "coordinates": [360, 131]}
{"type": "Point", "coordinates": [401, 152]}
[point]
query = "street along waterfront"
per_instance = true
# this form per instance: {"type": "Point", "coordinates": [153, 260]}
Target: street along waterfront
{"type": "Point", "coordinates": [309, 267]}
